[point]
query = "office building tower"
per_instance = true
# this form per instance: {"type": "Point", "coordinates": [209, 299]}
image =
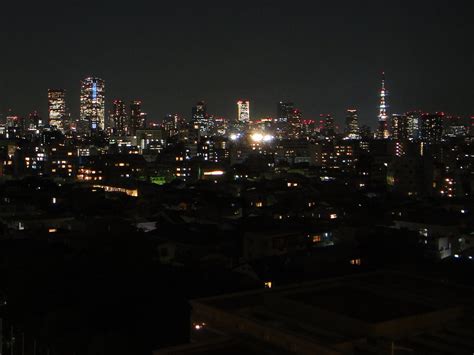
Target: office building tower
{"type": "Point", "coordinates": [118, 118]}
{"type": "Point", "coordinates": [243, 111]}
{"type": "Point", "coordinates": [328, 128]}
{"type": "Point", "coordinates": [352, 125]}
{"type": "Point", "coordinates": [173, 124]}
{"type": "Point", "coordinates": [33, 122]}
{"type": "Point", "coordinates": [137, 117]}
{"type": "Point", "coordinates": [284, 111]}
{"type": "Point", "coordinates": [382, 129]}
{"type": "Point", "coordinates": [400, 127]}
{"type": "Point", "coordinates": [414, 119]}
{"type": "Point", "coordinates": [92, 116]}
{"type": "Point", "coordinates": [57, 108]}
{"type": "Point", "coordinates": [431, 128]}
{"type": "Point", "coordinates": [295, 116]}
{"type": "Point", "coordinates": [200, 119]}
{"type": "Point", "coordinates": [143, 120]}
{"type": "Point", "coordinates": [12, 120]}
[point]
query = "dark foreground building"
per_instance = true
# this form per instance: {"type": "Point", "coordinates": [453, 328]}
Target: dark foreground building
{"type": "Point", "coordinates": [374, 313]}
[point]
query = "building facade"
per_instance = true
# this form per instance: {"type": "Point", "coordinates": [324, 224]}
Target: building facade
{"type": "Point", "coordinates": [243, 111]}
{"type": "Point", "coordinates": [92, 116]}
{"type": "Point", "coordinates": [57, 108]}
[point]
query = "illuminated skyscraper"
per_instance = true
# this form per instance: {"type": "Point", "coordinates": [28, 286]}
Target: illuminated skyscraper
{"type": "Point", "coordinates": [352, 125]}
{"type": "Point", "coordinates": [34, 121]}
{"type": "Point", "coordinates": [431, 128]}
{"type": "Point", "coordinates": [118, 118]}
{"type": "Point", "coordinates": [284, 111]}
{"type": "Point", "coordinates": [382, 129]}
{"type": "Point", "coordinates": [295, 116]}
{"type": "Point", "coordinates": [57, 108]}
{"type": "Point", "coordinates": [137, 118]}
{"type": "Point", "coordinates": [414, 119]}
{"type": "Point", "coordinates": [400, 127]}
{"type": "Point", "coordinates": [243, 111]}
{"type": "Point", "coordinates": [201, 119]}
{"type": "Point", "coordinates": [173, 125]}
{"type": "Point", "coordinates": [328, 128]}
{"type": "Point", "coordinates": [92, 104]}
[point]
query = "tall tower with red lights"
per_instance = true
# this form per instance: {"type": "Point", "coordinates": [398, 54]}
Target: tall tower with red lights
{"type": "Point", "coordinates": [382, 129]}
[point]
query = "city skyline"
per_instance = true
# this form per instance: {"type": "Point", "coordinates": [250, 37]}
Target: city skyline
{"type": "Point", "coordinates": [340, 117]}
{"type": "Point", "coordinates": [338, 53]}
{"type": "Point", "coordinates": [252, 177]}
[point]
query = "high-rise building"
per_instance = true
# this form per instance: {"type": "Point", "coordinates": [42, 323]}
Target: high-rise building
{"type": "Point", "coordinates": [92, 115]}
{"type": "Point", "coordinates": [12, 120]}
{"type": "Point", "coordinates": [400, 127]}
{"type": "Point", "coordinates": [243, 111]}
{"type": "Point", "coordinates": [199, 112]}
{"type": "Point", "coordinates": [328, 127]}
{"type": "Point", "coordinates": [295, 116]}
{"type": "Point", "coordinates": [34, 121]}
{"type": "Point", "coordinates": [414, 119]}
{"type": "Point", "coordinates": [352, 125]}
{"type": "Point", "coordinates": [173, 125]}
{"type": "Point", "coordinates": [284, 111]}
{"type": "Point", "coordinates": [200, 119]}
{"type": "Point", "coordinates": [137, 117]}
{"type": "Point", "coordinates": [118, 118]}
{"type": "Point", "coordinates": [382, 129]}
{"type": "Point", "coordinates": [143, 120]}
{"type": "Point", "coordinates": [431, 128]}
{"type": "Point", "coordinates": [57, 108]}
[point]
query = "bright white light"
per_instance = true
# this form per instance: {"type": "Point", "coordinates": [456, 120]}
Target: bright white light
{"type": "Point", "coordinates": [214, 173]}
{"type": "Point", "coordinates": [456, 256]}
{"type": "Point", "coordinates": [199, 326]}
{"type": "Point", "coordinates": [234, 136]}
{"type": "Point", "coordinates": [256, 137]}
{"type": "Point", "coordinates": [267, 138]}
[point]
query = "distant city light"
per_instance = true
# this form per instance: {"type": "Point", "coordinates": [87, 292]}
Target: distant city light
{"type": "Point", "coordinates": [214, 173]}
{"type": "Point", "coordinates": [199, 326]}
{"type": "Point", "coordinates": [256, 137]}
{"type": "Point", "coordinates": [268, 138]}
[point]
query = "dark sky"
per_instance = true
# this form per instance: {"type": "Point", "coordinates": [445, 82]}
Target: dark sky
{"type": "Point", "coordinates": [325, 56]}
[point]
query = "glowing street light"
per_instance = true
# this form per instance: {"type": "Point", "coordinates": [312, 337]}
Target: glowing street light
{"type": "Point", "coordinates": [256, 137]}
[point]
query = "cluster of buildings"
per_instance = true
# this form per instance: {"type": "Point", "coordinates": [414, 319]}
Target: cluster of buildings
{"type": "Point", "coordinates": [414, 153]}
{"type": "Point", "coordinates": [223, 205]}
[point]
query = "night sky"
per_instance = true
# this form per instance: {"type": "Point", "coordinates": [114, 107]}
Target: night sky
{"type": "Point", "coordinates": [325, 56]}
